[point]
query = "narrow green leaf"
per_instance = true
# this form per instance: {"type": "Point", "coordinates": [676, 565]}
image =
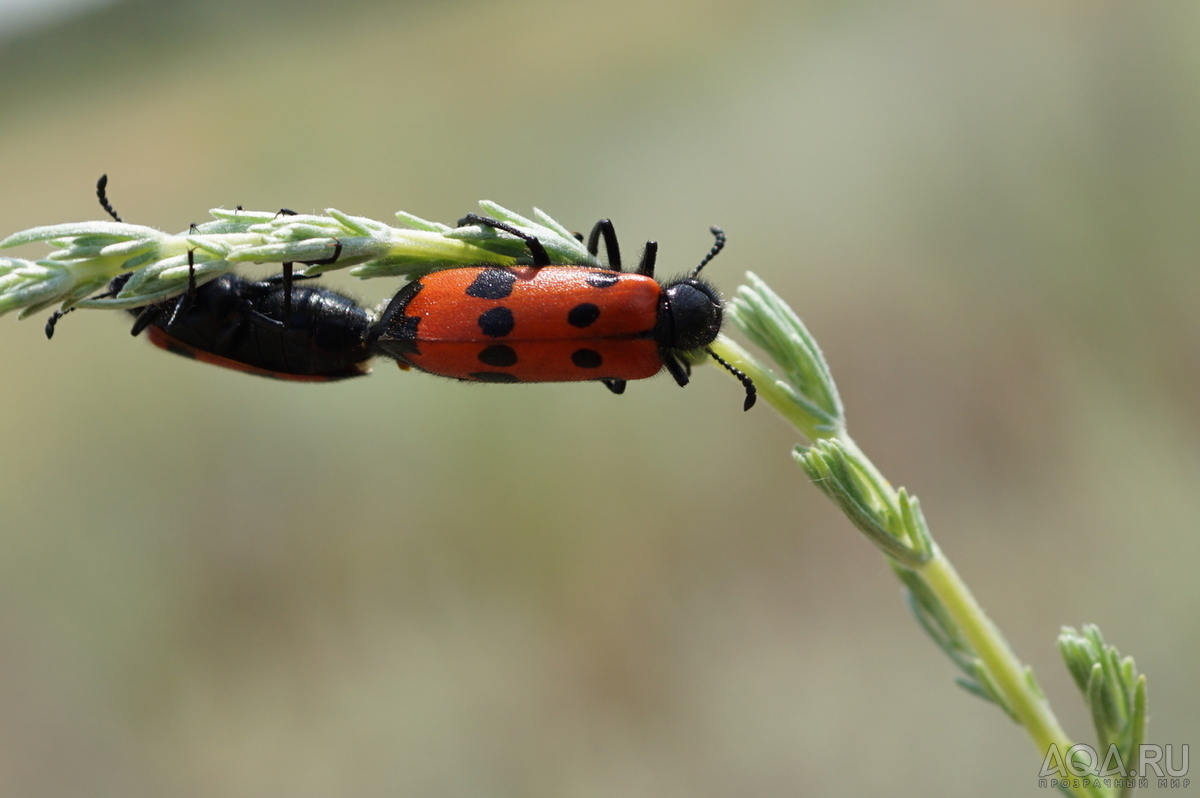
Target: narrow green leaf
{"type": "Point", "coordinates": [417, 223]}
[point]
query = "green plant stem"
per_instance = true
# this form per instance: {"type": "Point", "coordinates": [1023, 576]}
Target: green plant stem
{"type": "Point", "coordinates": [1011, 678]}
{"type": "Point", "coordinates": [1010, 675]}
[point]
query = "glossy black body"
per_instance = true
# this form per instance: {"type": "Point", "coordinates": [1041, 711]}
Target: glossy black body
{"type": "Point", "coordinates": [237, 323]}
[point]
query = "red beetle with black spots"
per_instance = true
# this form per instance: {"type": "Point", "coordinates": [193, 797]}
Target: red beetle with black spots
{"type": "Point", "coordinates": [547, 323]}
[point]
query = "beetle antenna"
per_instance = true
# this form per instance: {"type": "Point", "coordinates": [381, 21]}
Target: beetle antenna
{"type": "Point", "coordinates": [101, 185]}
{"type": "Point", "coordinates": [751, 391]}
{"type": "Point", "coordinates": [717, 246]}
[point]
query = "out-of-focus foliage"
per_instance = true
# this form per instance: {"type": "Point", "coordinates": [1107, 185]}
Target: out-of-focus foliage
{"type": "Point", "coordinates": [213, 584]}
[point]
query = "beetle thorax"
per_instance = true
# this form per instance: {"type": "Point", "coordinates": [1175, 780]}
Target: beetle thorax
{"type": "Point", "coordinates": [690, 315]}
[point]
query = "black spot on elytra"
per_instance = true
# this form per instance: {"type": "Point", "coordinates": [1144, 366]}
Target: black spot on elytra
{"type": "Point", "coordinates": [600, 280]}
{"type": "Point", "coordinates": [498, 355]}
{"type": "Point", "coordinates": [496, 322]}
{"type": "Point", "coordinates": [493, 376]}
{"type": "Point", "coordinates": [583, 315]}
{"type": "Point", "coordinates": [586, 358]}
{"type": "Point", "coordinates": [403, 328]}
{"type": "Point", "coordinates": [492, 284]}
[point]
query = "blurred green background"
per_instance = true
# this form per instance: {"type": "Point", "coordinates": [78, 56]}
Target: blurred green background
{"type": "Point", "coordinates": [216, 585]}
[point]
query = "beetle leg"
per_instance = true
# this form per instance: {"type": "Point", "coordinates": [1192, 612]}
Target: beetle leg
{"type": "Point", "coordinates": [278, 278]}
{"type": "Point", "coordinates": [261, 319]}
{"type": "Point", "coordinates": [605, 228]}
{"type": "Point", "coordinates": [679, 370]}
{"type": "Point", "coordinates": [540, 256]}
{"type": "Point", "coordinates": [337, 253]}
{"type": "Point", "coordinates": [148, 316]}
{"type": "Point", "coordinates": [185, 301]}
{"type": "Point", "coordinates": [289, 277]}
{"type": "Point", "coordinates": [649, 256]}
{"type": "Point", "coordinates": [287, 295]}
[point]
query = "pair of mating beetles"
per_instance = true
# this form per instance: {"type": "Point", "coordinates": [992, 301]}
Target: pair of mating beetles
{"type": "Point", "coordinates": [539, 323]}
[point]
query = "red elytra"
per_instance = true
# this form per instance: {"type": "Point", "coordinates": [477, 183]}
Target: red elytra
{"type": "Point", "coordinates": [450, 303]}
{"type": "Point", "coordinates": [527, 324]}
{"type": "Point", "coordinates": [554, 323]}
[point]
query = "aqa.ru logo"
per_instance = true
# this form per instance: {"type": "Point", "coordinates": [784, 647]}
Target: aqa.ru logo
{"type": "Point", "coordinates": [1081, 766]}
